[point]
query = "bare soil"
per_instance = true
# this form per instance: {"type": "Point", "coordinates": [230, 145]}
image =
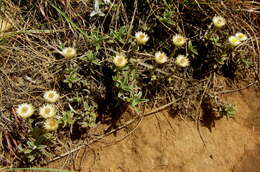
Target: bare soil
{"type": "Point", "coordinates": [164, 143]}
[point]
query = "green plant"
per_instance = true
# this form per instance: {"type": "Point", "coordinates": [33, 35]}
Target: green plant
{"type": "Point", "coordinates": [118, 36]}
{"type": "Point", "coordinates": [230, 110]}
{"type": "Point", "coordinates": [72, 77]}
{"type": "Point", "coordinates": [167, 17]}
{"type": "Point", "coordinates": [89, 116]}
{"type": "Point", "coordinates": [33, 150]}
{"type": "Point", "coordinates": [128, 90]}
{"type": "Point", "coordinates": [215, 40]}
{"type": "Point", "coordinates": [91, 56]}
{"type": "Point", "coordinates": [96, 37]}
{"type": "Point", "coordinates": [67, 118]}
{"type": "Point", "coordinates": [192, 49]}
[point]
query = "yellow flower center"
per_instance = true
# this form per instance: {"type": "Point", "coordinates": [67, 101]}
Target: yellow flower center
{"type": "Point", "coordinates": [52, 123]}
{"type": "Point", "coordinates": [47, 110]}
{"type": "Point", "coordinates": [142, 36]}
{"type": "Point", "coordinates": [219, 22]}
{"type": "Point", "coordinates": [51, 95]}
{"type": "Point", "coordinates": [179, 39]}
{"type": "Point", "coordinates": [24, 109]}
{"type": "Point", "coordinates": [183, 60]}
{"type": "Point", "coordinates": [162, 57]}
{"type": "Point", "coordinates": [120, 60]}
{"type": "Point", "coordinates": [69, 51]}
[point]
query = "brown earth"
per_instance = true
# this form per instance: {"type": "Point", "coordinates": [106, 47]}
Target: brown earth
{"type": "Point", "coordinates": [162, 143]}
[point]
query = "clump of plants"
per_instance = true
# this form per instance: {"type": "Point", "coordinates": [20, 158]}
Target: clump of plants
{"type": "Point", "coordinates": [108, 58]}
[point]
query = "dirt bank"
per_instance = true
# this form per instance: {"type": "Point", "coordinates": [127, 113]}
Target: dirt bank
{"type": "Point", "coordinates": [163, 143]}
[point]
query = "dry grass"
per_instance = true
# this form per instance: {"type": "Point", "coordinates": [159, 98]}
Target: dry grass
{"type": "Point", "coordinates": [32, 33]}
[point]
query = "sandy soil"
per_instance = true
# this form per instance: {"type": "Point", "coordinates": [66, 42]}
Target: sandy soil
{"type": "Point", "coordinates": [162, 143]}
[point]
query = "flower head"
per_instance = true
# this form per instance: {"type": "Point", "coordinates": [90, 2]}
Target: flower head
{"type": "Point", "coordinates": [120, 60]}
{"type": "Point", "coordinates": [51, 96]}
{"type": "Point", "coordinates": [141, 38]}
{"type": "Point", "coordinates": [69, 52]}
{"type": "Point", "coordinates": [25, 110]}
{"type": "Point", "coordinates": [179, 40]}
{"type": "Point", "coordinates": [182, 61]}
{"type": "Point", "coordinates": [219, 21]}
{"type": "Point", "coordinates": [51, 124]}
{"type": "Point", "coordinates": [160, 57]}
{"type": "Point", "coordinates": [234, 41]}
{"type": "Point", "coordinates": [241, 36]}
{"type": "Point", "coordinates": [47, 111]}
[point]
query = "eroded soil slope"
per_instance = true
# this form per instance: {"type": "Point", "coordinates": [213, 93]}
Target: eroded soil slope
{"type": "Point", "coordinates": [163, 143]}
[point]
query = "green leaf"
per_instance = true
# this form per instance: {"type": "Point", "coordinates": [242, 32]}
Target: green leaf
{"type": "Point", "coordinates": [67, 118]}
{"type": "Point", "coordinates": [167, 17]}
{"type": "Point", "coordinates": [31, 157]}
{"type": "Point", "coordinates": [27, 151]}
{"type": "Point", "coordinates": [119, 35]}
{"type": "Point", "coordinates": [69, 20]}
{"type": "Point", "coordinates": [192, 49]}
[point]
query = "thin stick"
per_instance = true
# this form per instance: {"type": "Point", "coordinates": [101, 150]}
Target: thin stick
{"type": "Point", "coordinates": [132, 21]}
{"type": "Point", "coordinates": [235, 90]}
{"type": "Point", "coordinates": [161, 108]}
{"type": "Point", "coordinates": [198, 110]}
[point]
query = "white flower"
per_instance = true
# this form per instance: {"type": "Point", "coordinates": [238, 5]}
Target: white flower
{"type": "Point", "coordinates": [25, 110]}
{"type": "Point", "coordinates": [160, 57]}
{"type": "Point", "coordinates": [179, 40]}
{"type": "Point", "coordinates": [182, 61]}
{"type": "Point", "coordinates": [241, 36]}
{"type": "Point", "coordinates": [47, 111]}
{"type": "Point", "coordinates": [219, 21]}
{"type": "Point", "coordinates": [69, 52]}
{"type": "Point", "coordinates": [51, 124]}
{"type": "Point", "coordinates": [234, 41]}
{"type": "Point", "coordinates": [120, 60]}
{"type": "Point", "coordinates": [141, 38]}
{"type": "Point", "coordinates": [51, 96]}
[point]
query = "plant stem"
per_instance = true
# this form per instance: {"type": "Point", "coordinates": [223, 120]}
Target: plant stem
{"type": "Point", "coordinates": [211, 33]}
{"type": "Point", "coordinates": [174, 51]}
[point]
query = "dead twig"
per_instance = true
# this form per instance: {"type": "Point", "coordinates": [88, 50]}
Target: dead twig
{"type": "Point", "coordinates": [161, 108]}
{"type": "Point", "coordinates": [198, 111]}
{"type": "Point", "coordinates": [235, 90]}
